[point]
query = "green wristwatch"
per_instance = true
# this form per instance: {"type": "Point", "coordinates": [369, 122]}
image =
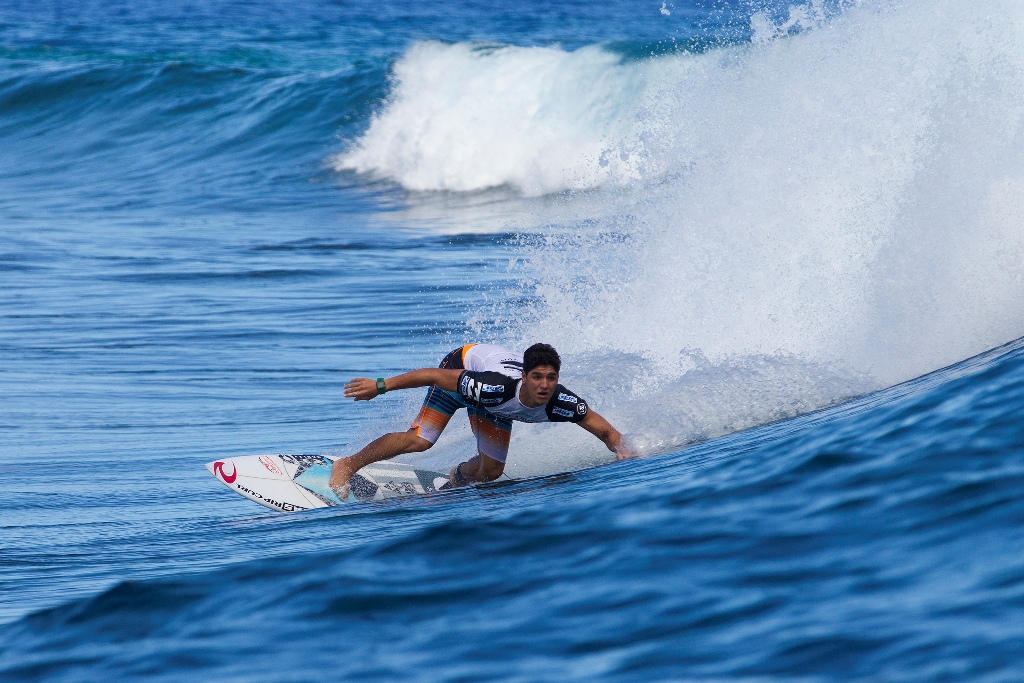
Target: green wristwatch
{"type": "Point", "coordinates": [381, 387]}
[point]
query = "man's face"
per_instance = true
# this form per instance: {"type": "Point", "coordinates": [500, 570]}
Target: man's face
{"type": "Point", "coordinates": [538, 385]}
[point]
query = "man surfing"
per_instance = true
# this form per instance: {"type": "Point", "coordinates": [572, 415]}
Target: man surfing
{"type": "Point", "coordinates": [496, 386]}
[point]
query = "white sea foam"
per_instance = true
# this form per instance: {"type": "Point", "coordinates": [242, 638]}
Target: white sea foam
{"type": "Point", "coordinates": [810, 216]}
{"type": "Point", "coordinates": [472, 116]}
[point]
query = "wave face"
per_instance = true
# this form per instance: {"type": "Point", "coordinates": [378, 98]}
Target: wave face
{"type": "Point", "coordinates": [876, 540]}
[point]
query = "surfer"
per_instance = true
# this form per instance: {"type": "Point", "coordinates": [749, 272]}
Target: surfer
{"type": "Point", "coordinates": [496, 387]}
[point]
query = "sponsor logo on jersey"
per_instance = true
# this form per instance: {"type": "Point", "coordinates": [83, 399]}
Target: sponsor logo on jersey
{"type": "Point", "coordinates": [562, 411]}
{"type": "Point", "coordinates": [269, 464]}
{"type": "Point", "coordinates": [581, 408]}
{"type": "Point", "coordinates": [493, 394]}
{"type": "Point", "coordinates": [567, 398]}
{"type": "Point", "coordinates": [470, 388]}
{"type": "Point", "coordinates": [218, 468]}
{"type": "Point", "coordinates": [485, 394]}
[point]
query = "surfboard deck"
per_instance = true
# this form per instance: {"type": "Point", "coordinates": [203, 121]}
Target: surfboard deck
{"type": "Point", "coordinates": [289, 483]}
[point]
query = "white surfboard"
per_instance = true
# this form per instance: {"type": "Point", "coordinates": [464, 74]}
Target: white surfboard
{"type": "Point", "coordinates": [288, 483]}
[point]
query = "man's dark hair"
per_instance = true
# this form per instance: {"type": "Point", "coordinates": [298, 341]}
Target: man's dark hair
{"type": "Point", "coordinates": [541, 354]}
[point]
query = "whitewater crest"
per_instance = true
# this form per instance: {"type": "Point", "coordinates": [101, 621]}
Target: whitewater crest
{"type": "Point", "coordinates": [464, 117]}
{"type": "Point", "coordinates": [842, 204]}
{"type": "Point", "coordinates": [468, 116]}
{"type": "Point", "coordinates": [845, 203]}
{"type": "Point", "coordinates": [843, 195]}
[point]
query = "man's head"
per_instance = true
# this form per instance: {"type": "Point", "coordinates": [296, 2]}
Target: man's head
{"type": "Point", "coordinates": [541, 365]}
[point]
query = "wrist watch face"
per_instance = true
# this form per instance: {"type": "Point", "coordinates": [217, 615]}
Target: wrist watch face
{"type": "Point", "coordinates": [381, 387]}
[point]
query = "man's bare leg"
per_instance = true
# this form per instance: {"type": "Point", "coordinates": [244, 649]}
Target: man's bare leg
{"type": "Point", "coordinates": [479, 468]}
{"type": "Point", "coordinates": [387, 446]}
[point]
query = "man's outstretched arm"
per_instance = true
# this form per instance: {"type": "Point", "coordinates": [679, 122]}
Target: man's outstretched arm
{"type": "Point", "coordinates": [363, 388]}
{"type": "Point", "coordinates": [602, 429]}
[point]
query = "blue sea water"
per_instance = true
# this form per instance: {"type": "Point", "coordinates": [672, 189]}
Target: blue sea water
{"type": "Point", "coordinates": [778, 245]}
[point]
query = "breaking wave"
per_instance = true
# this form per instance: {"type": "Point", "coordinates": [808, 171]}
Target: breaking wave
{"type": "Point", "coordinates": [842, 205]}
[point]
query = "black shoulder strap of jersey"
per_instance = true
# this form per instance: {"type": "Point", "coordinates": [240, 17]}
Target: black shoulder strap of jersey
{"type": "Point", "coordinates": [565, 406]}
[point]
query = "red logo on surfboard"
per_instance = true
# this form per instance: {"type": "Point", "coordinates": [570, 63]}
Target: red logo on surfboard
{"type": "Point", "coordinates": [269, 464]}
{"type": "Point", "coordinates": [218, 468]}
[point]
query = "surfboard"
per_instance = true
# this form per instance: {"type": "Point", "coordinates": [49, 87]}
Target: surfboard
{"type": "Point", "coordinates": [289, 483]}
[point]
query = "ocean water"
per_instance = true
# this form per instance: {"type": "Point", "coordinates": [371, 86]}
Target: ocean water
{"type": "Point", "coordinates": [778, 245]}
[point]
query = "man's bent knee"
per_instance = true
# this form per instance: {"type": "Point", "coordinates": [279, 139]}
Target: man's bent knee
{"type": "Point", "coordinates": [416, 443]}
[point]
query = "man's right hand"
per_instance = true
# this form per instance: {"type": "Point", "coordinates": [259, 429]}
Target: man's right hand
{"type": "Point", "coordinates": [361, 389]}
{"type": "Point", "coordinates": [624, 452]}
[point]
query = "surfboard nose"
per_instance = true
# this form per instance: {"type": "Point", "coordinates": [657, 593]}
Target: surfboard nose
{"type": "Point", "coordinates": [224, 470]}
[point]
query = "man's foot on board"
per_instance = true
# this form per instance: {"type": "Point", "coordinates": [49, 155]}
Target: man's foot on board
{"type": "Point", "coordinates": [341, 478]}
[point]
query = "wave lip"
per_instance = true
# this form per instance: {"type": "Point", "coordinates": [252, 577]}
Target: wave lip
{"type": "Point", "coordinates": [471, 116]}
